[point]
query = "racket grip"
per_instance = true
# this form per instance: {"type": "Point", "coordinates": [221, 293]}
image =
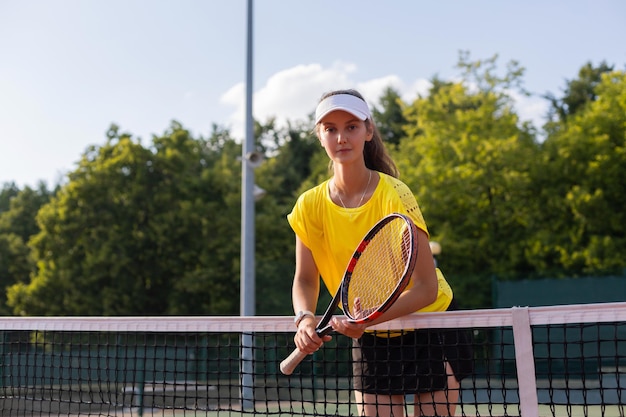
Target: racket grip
{"type": "Point", "coordinates": [289, 364]}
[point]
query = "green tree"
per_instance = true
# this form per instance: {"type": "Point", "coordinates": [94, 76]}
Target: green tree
{"type": "Point", "coordinates": [15, 265]}
{"type": "Point", "coordinates": [468, 158]}
{"type": "Point", "coordinates": [17, 226]}
{"type": "Point", "coordinates": [578, 92]}
{"type": "Point", "coordinates": [290, 150]}
{"type": "Point", "coordinates": [156, 230]}
{"type": "Point", "coordinates": [133, 227]}
{"type": "Point", "coordinates": [209, 278]}
{"type": "Point", "coordinates": [389, 117]}
{"type": "Point", "coordinates": [581, 225]}
{"type": "Point", "coordinates": [9, 190]}
{"type": "Point", "coordinates": [19, 217]}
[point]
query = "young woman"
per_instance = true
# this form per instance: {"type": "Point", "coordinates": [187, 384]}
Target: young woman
{"type": "Point", "coordinates": [329, 220]}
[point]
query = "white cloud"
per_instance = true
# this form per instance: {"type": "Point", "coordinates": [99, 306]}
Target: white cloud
{"type": "Point", "coordinates": [530, 108]}
{"type": "Point", "coordinates": [420, 87]}
{"type": "Point", "coordinates": [292, 94]}
{"type": "Point", "coordinates": [373, 89]}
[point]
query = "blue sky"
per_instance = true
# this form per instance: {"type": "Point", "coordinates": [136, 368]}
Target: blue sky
{"type": "Point", "coordinates": [70, 68]}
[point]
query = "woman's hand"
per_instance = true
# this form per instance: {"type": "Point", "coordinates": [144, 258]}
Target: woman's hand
{"type": "Point", "coordinates": [306, 337]}
{"type": "Point", "coordinates": [344, 326]}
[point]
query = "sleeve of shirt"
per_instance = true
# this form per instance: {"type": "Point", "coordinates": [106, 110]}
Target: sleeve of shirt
{"type": "Point", "coordinates": [297, 221]}
{"type": "Point", "coordinates": [409, 203]}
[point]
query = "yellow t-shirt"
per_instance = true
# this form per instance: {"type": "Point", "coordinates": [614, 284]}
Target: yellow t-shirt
{"type": "Point", "coordinates": [332, 232]}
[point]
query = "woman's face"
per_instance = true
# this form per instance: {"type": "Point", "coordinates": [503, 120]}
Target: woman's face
{"type": "Point", "coordinates": [343, 136]}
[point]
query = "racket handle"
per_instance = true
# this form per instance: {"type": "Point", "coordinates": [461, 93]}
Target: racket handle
{"type": "Point", "coordinates": [289, 364]}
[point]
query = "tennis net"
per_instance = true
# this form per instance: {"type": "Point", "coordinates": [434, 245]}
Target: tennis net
{"type": "Point", "coordinates": [537, 361]}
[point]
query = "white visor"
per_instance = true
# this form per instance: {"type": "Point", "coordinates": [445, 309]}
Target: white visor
{"type": "Point", "coordinates": [345, 102]}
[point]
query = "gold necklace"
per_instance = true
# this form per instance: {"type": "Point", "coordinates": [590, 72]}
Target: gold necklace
{"type": "Point", "coordinates": [362, 195]}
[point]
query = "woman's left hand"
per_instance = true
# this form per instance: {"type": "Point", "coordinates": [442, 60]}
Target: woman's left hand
{"type": "Point", "coordinates": [344, 326]}
{"type": "Point", "coordinates": [347, 327]}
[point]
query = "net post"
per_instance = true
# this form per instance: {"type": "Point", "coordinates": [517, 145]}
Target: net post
{"type": "Point", "coordinates": [247, 372]}
{"type": "Point", "coordinates": [141, 379]}
{"type": "Point", "coordinates": [3, 342]}
{"type": "Point", "coordinates": [525, 362]}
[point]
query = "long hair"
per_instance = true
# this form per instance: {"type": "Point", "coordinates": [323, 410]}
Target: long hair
{"type": "Point", "coordinates": [374, 152]}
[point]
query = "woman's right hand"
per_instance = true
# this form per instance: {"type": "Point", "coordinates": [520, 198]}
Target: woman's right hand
{"type": "Point", "coordinates": [307, 339]}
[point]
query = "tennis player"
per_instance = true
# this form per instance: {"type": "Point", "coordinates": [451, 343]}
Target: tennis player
{"type": "Point", "coordinates": [329, 220]}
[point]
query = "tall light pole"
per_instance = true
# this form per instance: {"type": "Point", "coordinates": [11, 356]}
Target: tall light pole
{"type": "Point", "coordinates": [247, 299]}
{"type": "Point", "coordinates": [247, 190]}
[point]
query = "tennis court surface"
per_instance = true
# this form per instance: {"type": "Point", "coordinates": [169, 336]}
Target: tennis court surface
{"type": "Point", "coordinates": [538, 361]}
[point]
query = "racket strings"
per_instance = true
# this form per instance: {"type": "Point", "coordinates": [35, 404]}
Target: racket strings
{"type": "Point", "coordinates": [381, 267]}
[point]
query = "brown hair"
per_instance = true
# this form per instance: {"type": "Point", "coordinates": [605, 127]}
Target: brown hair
{"type": "Point", "coordinates": [374, 152]}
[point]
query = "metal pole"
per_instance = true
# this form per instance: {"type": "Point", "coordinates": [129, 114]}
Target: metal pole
{"type": "Point", "coordinates": [247, 233]}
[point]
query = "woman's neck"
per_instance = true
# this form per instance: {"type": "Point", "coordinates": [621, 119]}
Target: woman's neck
{"type": "Point", "coordinates": [350, 189]}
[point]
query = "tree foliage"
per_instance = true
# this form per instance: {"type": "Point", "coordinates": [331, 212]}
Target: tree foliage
{"type": "Point", "coordinates": [9, 190]}
{"type": "Point", "coordinates": [17, 225]}
{"type": "Point", "coordinates": [468, 159]}
{"type": "Point", "coordinates": [139, 231]}
{"type": "Point", "coordinates": [581, 180]}
{"type": "Point", "coordinates": [151, 230]}
{"type": "Point", "coordinates": [390, 118]}
{"type": "Point", "coordinates": [578, 92]}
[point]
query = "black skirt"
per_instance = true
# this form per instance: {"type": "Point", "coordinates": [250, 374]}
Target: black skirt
{"type": "Point", "coordinates": [413, 362]}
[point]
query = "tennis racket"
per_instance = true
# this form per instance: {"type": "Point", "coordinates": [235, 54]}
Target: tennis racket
{"type": "Point", "coordinates": [378, 272]}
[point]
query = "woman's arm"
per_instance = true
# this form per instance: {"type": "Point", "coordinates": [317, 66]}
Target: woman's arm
{"type": "Point", "coordinates": [305, 294]}
{"type": "Point", "coordinates": [422, 293]}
